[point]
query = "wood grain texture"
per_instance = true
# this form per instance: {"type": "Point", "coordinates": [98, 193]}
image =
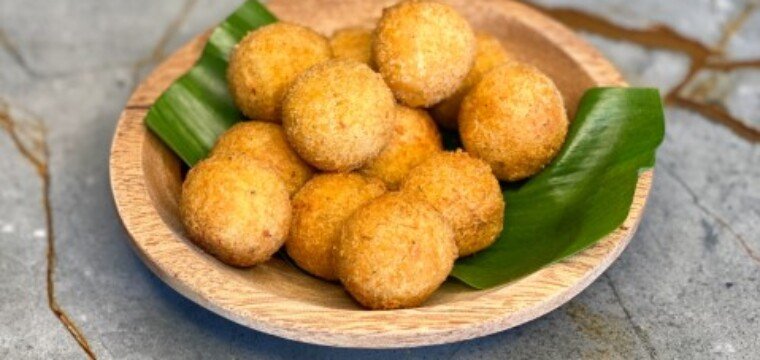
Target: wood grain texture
{"type": "Point", "coordinates": [279, 299]}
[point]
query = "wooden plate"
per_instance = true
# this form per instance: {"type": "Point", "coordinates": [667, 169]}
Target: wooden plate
{"type": "Point", "coordinates": [279, 299]}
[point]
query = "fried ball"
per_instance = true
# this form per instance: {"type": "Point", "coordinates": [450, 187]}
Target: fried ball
{"type": "Point", "coordinates": [236, 209]}
{"type": "Point", "coordinates": [266, 61]}
{"type": "Point", "coordinates": [394, 252]}
{"type": "Point", "coordinates": [490, 54]}
{"type": "Point", "coordinates": [463, 189]}
{"type": "Point", "coordinates": [338, 115]}
{"type": "Point", "coordinates": [319, 211]}
{"type": "Point", "coordinates": [415, 138]}
{"type": "Point", "coordinates": [265, 142]}
{"type": "Point", "coordinates": [424, 49]}
{"type": "Point", "coordinates": [353, 44]}
{"type": "Point", "coordinates": [515, 120]}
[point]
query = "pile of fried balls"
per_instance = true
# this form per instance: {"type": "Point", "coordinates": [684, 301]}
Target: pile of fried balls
{"type": "Point", "coordinates": [341, 158]}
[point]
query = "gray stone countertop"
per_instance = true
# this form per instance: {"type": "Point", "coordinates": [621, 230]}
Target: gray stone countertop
{"type": "Point", "coordinates": [688, 286]}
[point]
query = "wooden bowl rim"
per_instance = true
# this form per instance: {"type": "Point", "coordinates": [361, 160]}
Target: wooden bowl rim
{"type": "Point", "coordinates": [364, 329]}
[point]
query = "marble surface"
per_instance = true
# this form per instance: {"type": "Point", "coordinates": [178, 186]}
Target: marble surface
{"type": "Point", "coordinates": [686, 287]}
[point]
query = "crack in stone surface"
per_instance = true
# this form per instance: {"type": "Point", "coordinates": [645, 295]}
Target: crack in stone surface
{"type": "Point", "coordinates": [664, 37]}
{"type": "Point", "coordinates": [638, 330]}
{"type": "Point", "coordinates": [159, 50]}
{"type": "Point", "coordinates": [716, 111]}
{"type": "Point", "coordinates": [15, 53]}
{"type": "Point", "coordinates": [734, 25]}
{"type": "Point", "coordinates": [13, 50]}
{"type": "Point", "coordinates": [724, 65]}
{"type": "Point", "coordinates": [32, 145]}
{"type": "Point", "coordinates": [659, 36]}
{"type": "Point", "coordinates": [720, 115]}
{"type": "Point", "coordinates": [598, 327]}
{"type": "Point", "coordinates": [713, 215]}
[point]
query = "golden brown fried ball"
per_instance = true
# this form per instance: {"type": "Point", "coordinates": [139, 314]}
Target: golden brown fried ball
{"type": "Point", "coordinates": [463, 189]}
{"type": "Point", "coordinates": [338, 115]}
{"type": "Point", "coordinates": [415, 138]}
{"type": "Point", "coordinates": [353, 44]}
{"type": "Point", "coordinates": [424, 50]}
{"type": "Point", "coordinates": [266, 61]}
{"type": "Point", "coordinates": [394, 252]}
{"type": "Point", "coordinates": [515, 120]}
{"type": "Point", "coordinates": [236, 209]}
{"type": "Point", "coordinates": [490, 54]}
{"type": "Point", "coordinates": [265, 142]}
{"type": "Point", "coordinates": [319, 211]}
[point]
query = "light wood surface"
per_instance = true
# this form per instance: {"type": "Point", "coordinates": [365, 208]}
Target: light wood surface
{"type": "Point", "coordinates": [279, 299]}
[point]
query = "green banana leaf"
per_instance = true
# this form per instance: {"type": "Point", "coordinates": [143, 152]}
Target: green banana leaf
{"type": "Point", "coordinates": [583, 195]}
{"type": "Point", "coordinates": [197, 108]}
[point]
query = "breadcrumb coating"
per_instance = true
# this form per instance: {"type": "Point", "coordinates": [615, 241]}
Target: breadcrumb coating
{"type": "Point", "coordinates": [265, 142]}
{"type": "Point", "coordinates": [463, 189]}
{"type": "Point", "coordinates": [489, 54]}
{"type": "Point", "coordinates": [353, 44]}
{"type": "Point", "coordinates": [266, 61]}
{"type": "Point", "coordinates": [415, 138]}
{"type": "Point", "coordinates": [338, 115]}
{"type": "Point", "coordinates": [515, 120]}
{"type": "Point", "coordinates": [394, 252]}
{"type": "Point", "coordinates": [424, 50]}
{"type": "Point", "coordinates": [319, 211]}
{"type": "Point", "coordinates": [236, 209]}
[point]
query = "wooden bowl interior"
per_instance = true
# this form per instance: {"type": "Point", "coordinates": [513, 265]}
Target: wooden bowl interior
{"type": "Point", "coordinates": [163, 169]}
{"type": "Point", "coordinates": [279, 299]}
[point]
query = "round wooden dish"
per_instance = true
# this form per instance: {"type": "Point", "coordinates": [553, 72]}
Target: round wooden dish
{"type": "Point", "coordinates": [279, 299]}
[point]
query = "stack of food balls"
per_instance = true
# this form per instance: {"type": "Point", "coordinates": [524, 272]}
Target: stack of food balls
{"type": "Point", "coordinates": [342, 162]}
